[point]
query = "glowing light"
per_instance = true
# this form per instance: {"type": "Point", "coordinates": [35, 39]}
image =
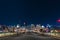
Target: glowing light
{"type": "Point", "coordinates": [48, 25]}
{"type": "Point", "coordinates": [43, 26]}
{"type": "Point", "coordinates": [58, 20]}
{"type": "Point", "coordinates": [17, 26]}
{"type": "Point", "coordinates": [24, 23]}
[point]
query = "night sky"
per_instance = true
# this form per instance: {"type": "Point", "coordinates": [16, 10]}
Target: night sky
{"type": "Point", "coordinates": [29, 11]}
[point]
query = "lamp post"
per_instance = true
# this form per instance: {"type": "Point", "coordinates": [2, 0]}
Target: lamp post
{"type": "Point", "coordinates": [17, 29]}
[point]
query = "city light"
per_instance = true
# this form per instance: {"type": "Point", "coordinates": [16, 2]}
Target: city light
{"type": "Point", "coordinates": [48, 25]}
{"type": "Point", "coordinates": [58, 20]}
{"type": "Point", "coordinates": [18, 26]}
{"type": "Point", "coordinates": [43, 26]}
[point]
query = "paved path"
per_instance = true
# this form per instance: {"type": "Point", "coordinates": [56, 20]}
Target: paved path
{"type": "Point", "coordinates": [29, 36]}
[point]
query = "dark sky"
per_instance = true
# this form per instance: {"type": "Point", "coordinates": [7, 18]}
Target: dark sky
{"type": "Point", "coordinates": [29, 11]}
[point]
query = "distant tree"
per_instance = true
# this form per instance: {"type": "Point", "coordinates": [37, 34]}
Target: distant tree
{"type": "Point", "coordinates": [32, 26]}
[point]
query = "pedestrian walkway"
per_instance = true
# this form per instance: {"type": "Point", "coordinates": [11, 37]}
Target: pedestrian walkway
{"type": "Point", "coordinates": [56, 35]}
{"type": "Point", "coordinates": [6, 34]}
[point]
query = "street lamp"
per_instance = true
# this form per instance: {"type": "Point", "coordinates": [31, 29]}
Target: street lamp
{"type": "Point", "coordinates": [43, 26]}
{"type": "Point", "coordinates": [17, 28]}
